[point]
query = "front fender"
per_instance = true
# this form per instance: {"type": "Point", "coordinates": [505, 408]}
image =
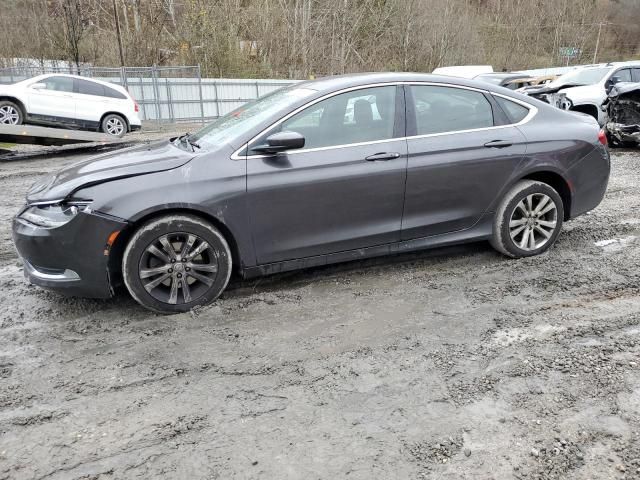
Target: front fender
{"type": "Point", "coordinates": [216, 194]}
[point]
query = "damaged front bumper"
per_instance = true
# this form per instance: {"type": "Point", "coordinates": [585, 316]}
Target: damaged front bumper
{"type": "Point", "coordinates": [556, 99]}
{"type": "Point", "coordinates": [72, 259]}
{"type": "Point", "coordinates": [623, 111]}
{"type": "Point", "coordinates": [624, 133]}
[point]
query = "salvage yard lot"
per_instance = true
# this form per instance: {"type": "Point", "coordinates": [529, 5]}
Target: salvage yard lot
{"type": "Point", "coordinates": [455, 363]}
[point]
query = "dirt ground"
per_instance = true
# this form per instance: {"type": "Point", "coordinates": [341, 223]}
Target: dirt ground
{"type": "Point", "coordinates": [449, 364]}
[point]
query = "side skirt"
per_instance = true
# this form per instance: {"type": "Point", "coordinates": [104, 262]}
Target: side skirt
{"type": "Point", "coordinates": [482, 230]}
{"type": "Point", "coordinates": [69, 123]}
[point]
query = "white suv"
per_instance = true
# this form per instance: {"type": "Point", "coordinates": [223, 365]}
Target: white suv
{"type": "Point", "coordinates": [69, 101]}
{"type": "Point", "coordinates": [584, 89]}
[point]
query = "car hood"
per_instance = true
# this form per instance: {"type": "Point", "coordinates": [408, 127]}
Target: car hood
{"type": "Point", "coordinates": [138, 160]}
{"type": "Point", "coordinates": [550, 88]}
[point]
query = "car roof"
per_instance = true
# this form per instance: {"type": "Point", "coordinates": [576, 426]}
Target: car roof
{"type": "Point", "coordinates": [337, 82]}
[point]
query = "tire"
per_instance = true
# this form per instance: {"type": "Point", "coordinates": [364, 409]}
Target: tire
{"type": "Point", "coordinates": [158, 283]}
{"type": "Point", "coordinates": [10, 113]}
{"type": "Point", "coordinates": [114, 125]}
{"type": "Point", "coordinates": [511, 216]}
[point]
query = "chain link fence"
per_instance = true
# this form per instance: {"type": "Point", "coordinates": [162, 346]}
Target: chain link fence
{"type": "Point", "coordinates": [166, 94]}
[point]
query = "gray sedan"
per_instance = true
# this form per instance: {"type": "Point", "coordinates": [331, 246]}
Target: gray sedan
{"type": "Point", "coordinates": [324, 171]}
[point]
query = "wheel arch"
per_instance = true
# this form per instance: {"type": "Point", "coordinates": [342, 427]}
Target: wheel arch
{"type": "Point", "coordinates": [558, 183]}
{"type": "Point", "coordinates": [18, 102]}
{"type": "Point", "coordinates": [117, 249]}
{"type": "Point", "coordinates": [588, 108]}
{"type": "Point", "coordinates": [124, 117]}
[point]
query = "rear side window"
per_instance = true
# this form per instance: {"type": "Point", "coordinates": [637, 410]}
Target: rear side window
{"type": "Point", "coordinates": [113, 93]}
{"type": "Point", "coordinates": [636, 75]}
{"type": "Point", "coordinates": [90, 88]}
{"type": "Point", "coordinates": [513, 110]}
{"type": "Point", "coordinates": [449, 109]}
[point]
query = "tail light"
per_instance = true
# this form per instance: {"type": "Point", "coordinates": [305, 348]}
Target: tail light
{"type": "Point", "coordinates": [602, 137]}
{"type": "Point", "coordinates": [136, 108]}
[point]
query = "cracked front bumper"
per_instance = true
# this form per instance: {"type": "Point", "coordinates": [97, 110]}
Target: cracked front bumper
{"type": "Point", "coordinates": [624, 133]}
{"type": "Point", "coordinates": [71, 259]}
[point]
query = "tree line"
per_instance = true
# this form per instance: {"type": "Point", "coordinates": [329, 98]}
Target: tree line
{"type": "Point", "coordinates": [307, 38]}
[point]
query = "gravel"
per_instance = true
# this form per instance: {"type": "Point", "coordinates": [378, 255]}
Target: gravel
{"type": "Point", "coordinates": [453, 363]}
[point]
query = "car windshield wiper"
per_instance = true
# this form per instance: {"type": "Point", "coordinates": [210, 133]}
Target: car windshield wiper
{"type": "Point", "coordinates": [186, 139]}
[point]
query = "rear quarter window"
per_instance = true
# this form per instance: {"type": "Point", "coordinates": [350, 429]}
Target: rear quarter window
{"type": "Point", "coordinates": [514, 111]}
{"type": "Point", "coordinates": [113, 93]}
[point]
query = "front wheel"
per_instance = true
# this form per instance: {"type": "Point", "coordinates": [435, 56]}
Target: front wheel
{"type": "Point", "coordinates": [10, 113]}
{"type": "Point", "coordinates": [528, 219]}
{"type": "Point", "coordinates": [176, 262]}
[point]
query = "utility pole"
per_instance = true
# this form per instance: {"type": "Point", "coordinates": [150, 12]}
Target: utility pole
{"type": "Point", "coordinates": [595, 53]}
{"type": "Point", "coordinates": [115, 14]}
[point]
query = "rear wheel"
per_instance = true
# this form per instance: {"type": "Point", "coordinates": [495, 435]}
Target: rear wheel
{"type": "Point", "coordinates": [528, 220]}
{"type": "Point", "coordinates": [10, 113]}
{"type": "Point", "coordinates": [175, 263]}
{"type": "Point", "coordinates": [114, 125]}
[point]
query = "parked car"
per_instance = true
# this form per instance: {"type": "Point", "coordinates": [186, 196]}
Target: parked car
{"type": "Point", "coordinates": [292, 181]}
{"type": "Point", "coordinates": [622, 107]}
{"type": "Point", "coordinates": [509, 80]}
{"type": "Point", "coordinates": [585, 89]}
{"type": "Point", "coordinates": [69, 101]}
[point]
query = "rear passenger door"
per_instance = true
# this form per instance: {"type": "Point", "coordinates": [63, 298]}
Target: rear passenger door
{"type": "Point", "coordinates": [91, 102]}
{"type": "Point", "coordinates": [462, 151]}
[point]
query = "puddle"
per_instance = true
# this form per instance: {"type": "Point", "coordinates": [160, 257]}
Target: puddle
{"type": "Point", "coordinates": [616, 244]}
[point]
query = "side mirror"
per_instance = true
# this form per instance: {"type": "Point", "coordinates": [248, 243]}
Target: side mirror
{"type": "Point", "coordinates": [280, 142]}
{"type": "Point", "coordinates": [610, 84]}
{"type": "Point", "coordinates": [39, 86]}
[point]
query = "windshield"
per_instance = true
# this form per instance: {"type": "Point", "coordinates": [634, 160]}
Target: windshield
{"type": "Point", "coordinates": [586, 76]}
{"type": "Point", "coordinates": [248, 115]}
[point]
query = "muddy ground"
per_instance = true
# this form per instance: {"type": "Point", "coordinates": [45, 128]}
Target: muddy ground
{"type": "Point", "coordinates": [456, 363]}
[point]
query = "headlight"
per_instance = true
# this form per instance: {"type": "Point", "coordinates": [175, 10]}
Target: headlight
{"type": "Point", "coordinates": [53, 215]}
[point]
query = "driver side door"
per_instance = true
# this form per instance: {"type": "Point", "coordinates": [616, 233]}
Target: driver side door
{"type": "Point", "coordinates": [53, 103]}
{"type": "Point", "coordinates": [343, 190]}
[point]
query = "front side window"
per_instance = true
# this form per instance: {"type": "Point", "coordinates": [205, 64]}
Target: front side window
{"type": "Point", "coordinates": [623, 75]}
{"type": "Point", "coordinates": [358, 116]}
{"type": "Point", "coordinates": [449, 109]}
{"type": "Point", "coordinates": [58, 84]}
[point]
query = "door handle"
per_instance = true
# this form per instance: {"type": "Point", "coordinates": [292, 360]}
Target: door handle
{"type": "Point", "coordinates": [382, 156]}
{"type": "Point", "coordinates": [498, 144]}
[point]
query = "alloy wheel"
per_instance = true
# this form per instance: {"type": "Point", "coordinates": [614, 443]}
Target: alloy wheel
{"type": "Point", "coordinates": [9, 115]}
{"type": "Point", "coordinates": [178, 268]}
{"type": "Point", "coordinates": [114, 126]}
{"type": "Point", "coordinates": [533, 221]}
